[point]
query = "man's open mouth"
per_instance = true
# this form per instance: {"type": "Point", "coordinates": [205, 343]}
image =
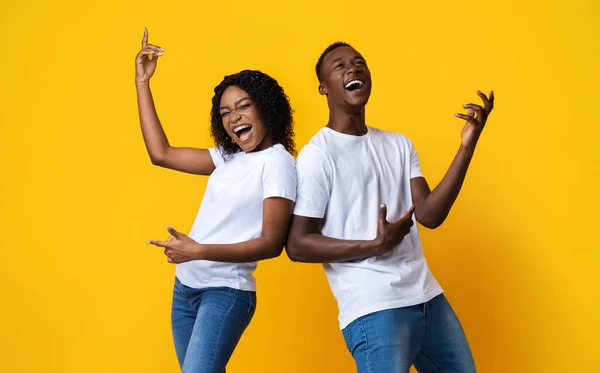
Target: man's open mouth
{"type": "Point", "coordinates": [354, 85]}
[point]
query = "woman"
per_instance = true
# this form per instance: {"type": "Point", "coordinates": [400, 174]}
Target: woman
{"type": "Point", "coordinates": [244, 215]}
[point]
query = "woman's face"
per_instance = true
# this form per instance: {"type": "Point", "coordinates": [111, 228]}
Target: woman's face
{"type": "Point", "coordinates": [241, 120]}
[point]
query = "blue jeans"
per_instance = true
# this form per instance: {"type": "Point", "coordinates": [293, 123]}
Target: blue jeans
{"type": "Point", "coordinates": [427, 335]}
{"type": "Point", "coordinates": [207, 325]}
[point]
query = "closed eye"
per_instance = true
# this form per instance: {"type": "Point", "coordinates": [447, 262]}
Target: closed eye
{"type": "Point", "coordinates": [224, 114]}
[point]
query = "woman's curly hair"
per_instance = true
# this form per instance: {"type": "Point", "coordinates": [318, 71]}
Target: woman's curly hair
{"type": "Point", "coordinates": [273, 107]}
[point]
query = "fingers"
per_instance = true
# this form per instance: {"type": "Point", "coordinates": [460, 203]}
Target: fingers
{"type": "Point", "coordinates": [168, 245]}
{"type": "Point", "coordinates": [174, 233]}
{"type": "Point", "coordinates": [168, 254]}
{"type": "Point", "coordinates": [406, 219]}
{"type": "Point", "coordinates": [154, 49]}
{"type": "Point", "coordinates": [159, 243]}
{"type": "Point", "coordinates": [488, 103]}
{"type": "Point", "coordinates": [468, 118]}
{"type": "Point", "coordinates": [473, 109]}
{"type": "Point", "coordinates": [145, 38]}
{"type": "Point", "coordinates": [382, 213]}
{"type": "Point", "coordinates": [145, 54]}
{"type": "Point", "coordinates": [408, 214]}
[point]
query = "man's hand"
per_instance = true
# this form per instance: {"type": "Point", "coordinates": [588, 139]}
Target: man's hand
{"type": "Point", "coordinates": [476, 118]}
{"type": "Point", "coordinates": [389, 235]}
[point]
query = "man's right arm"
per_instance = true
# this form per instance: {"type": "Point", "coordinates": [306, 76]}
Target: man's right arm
{"type": "Point", "coordinates": [305, 243]}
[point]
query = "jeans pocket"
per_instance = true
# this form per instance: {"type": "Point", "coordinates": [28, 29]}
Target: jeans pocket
{"type": "Point", "coordinates": [179, 288]}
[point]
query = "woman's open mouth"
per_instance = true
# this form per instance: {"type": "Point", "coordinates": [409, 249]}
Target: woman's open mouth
{"type": "Point", "coordinates": [242, 132]}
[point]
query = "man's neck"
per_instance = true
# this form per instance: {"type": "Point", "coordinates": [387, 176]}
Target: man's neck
{"type": "Point", "coordinates": [349, 123]}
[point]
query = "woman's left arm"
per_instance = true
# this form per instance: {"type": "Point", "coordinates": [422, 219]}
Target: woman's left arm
{"type": "Point", "coordinates": [277, 213]}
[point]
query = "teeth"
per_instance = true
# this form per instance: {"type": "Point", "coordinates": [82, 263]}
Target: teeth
{"type": "Point", "coordinates": [355, 81]}
{"type": "Point", "coordinates": [238, 129]}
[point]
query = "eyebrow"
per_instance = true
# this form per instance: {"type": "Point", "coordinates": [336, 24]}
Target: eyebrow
{"type": "Point", "coordinates": [236, 103]}
{"type": "Point", "coordinates": [355, 57]}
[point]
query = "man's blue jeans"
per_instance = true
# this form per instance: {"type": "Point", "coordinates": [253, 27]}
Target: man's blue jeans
{"type": "Point", "coordinates": [427, 335]}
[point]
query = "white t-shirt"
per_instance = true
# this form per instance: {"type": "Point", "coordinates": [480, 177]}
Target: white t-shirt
{"type": "Point", "coordinates": [231, 212]}
{"type": "Point", "coordinates": [344, 179]}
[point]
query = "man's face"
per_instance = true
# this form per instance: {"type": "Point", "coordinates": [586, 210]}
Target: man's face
{"type": "Point", "coordinates": [346, 79]}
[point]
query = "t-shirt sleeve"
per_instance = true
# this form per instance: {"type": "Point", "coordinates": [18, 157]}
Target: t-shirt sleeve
{"type": "Point", "coordinates": [415, 165]}
{"type": "Point", "coordinates": [217, 156]}
{"type": "Point", "coordinates": [314, 183]}
{"type": "Point", "coordinates": [279, 176]}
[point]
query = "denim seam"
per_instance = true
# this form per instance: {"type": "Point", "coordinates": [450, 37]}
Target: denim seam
{"type": "Point", "coordinates": [362, 328]}
{"type": "Point", "coordinates": [212, 360]}
{"type": "Point", "coordinates": [252, 305]}
{"type": "Point", "coordinates": [431, 361]}
{"type": "Point", "coordinates": [425, 336]}
{"type": "Point", "coordinates": [424, 328]}
{"type": "Point", "coordinates": [348, 336]}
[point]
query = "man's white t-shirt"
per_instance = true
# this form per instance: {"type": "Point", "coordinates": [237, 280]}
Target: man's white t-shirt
{"type": "Point", "coordinates": [232, 210]}
{"type": "Point", "coordinates": [344, 179]}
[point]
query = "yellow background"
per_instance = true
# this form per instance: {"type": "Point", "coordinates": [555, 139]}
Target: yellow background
{"type": "Point", "coordinates": [518, 257]}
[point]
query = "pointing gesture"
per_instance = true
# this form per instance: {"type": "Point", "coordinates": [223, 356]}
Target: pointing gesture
{"type": "Point", "coordinates": [146, 59]}
{"type": "Point", "coordinates": [179, 248]}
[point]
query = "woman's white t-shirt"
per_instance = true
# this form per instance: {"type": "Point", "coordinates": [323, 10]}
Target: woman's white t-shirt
{"type": "Point", "coordinates": [231, 212]}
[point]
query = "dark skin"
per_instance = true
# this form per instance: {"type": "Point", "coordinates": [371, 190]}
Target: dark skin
{"type": "Point", "coordinates": [305, 241]}
{"type": "Point", "coordinates": [237, 109]}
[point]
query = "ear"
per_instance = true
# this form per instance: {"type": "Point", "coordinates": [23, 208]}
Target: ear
{"type": "Point", "coordinates": [323, 89]}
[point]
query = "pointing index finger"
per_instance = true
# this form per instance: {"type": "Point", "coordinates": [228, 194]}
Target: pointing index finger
{"type": "Point", "coordinates": [409, 213]}
{"type": "Point", "coordinates": [159, 243]}
{"type": "Point", "coordinates": [145, 38]}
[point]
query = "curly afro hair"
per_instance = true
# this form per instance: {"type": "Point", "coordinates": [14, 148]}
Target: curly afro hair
{"type": "Point", "coordinates": [273, 107]}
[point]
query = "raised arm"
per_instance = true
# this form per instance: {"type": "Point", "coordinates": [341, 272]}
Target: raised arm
{"type": "Point", "coordinates": [432, 207]}
{"type": "Point", "coordinates": [190, 160]}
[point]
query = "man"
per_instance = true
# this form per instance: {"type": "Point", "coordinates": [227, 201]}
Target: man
{"type": "Point", "coordinates": [358, 188]}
